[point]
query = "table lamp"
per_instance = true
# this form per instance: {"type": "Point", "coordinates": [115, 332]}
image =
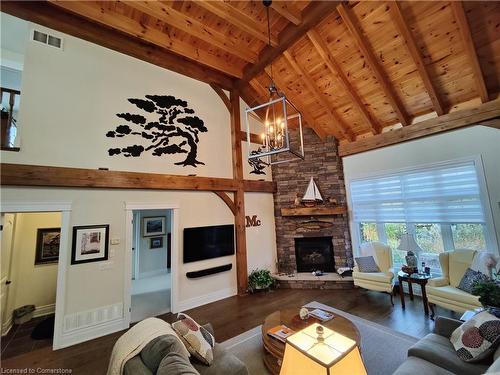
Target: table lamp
{"type": "Point", "coordinates": [407, 243]}
{"type": "Point", "coordinates": [318, 350]}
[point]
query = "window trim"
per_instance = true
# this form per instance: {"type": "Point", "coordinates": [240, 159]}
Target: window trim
{"type": "Point", "coordinates": [489, 232]}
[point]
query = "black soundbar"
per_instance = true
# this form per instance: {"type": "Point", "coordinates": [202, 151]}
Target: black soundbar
{"type": "Point", "coordinates": [208, 271]}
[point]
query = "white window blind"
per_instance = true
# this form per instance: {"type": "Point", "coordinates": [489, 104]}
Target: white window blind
{"type": "Point", "coordinates": [445, 194]}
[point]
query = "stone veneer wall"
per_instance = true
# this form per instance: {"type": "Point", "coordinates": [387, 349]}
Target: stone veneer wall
{"type": "Point", "coordinates": [323, 163]}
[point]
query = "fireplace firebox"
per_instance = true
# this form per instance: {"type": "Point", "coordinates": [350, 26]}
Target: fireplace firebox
{"type": "Point", "coordinates": [314, 253]}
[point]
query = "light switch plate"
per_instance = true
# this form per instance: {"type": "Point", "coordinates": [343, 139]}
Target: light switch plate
{"type": "Point", "coordinates": [115, 241]}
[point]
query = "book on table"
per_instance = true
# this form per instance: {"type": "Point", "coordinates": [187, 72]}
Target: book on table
{"type": "Point", "coordinates": [280, 332]}
{"type": "Point", "coordinates": [321, 315]}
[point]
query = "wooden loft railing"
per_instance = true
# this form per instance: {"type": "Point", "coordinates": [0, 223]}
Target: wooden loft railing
{"type": "Point", "coordinates": [8, 120]}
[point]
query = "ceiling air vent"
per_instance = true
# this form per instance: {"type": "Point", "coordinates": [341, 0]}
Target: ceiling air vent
{"type": "Point", "coordinates": [47, 39]}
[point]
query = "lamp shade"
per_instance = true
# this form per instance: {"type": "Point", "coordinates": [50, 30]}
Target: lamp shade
{"type": "Point", "coordinates": [407, 243]}
{"type": "Point", "coordinates": [312, 353]}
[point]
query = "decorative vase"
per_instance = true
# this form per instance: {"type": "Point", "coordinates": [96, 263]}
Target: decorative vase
{"type": "Point", "coordinates": [411, 259]}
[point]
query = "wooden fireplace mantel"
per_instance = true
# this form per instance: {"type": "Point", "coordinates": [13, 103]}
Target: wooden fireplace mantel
{"type": "Point", "coordinates": [313, 211]}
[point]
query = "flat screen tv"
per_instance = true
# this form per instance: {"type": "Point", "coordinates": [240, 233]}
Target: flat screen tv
{"type": "Point", "coordinates": [208, 242]}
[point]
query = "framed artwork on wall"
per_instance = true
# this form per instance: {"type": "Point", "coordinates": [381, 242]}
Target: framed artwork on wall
{"type": "Point", "coordinates": [90, 243]}
{"type": "Point", "coordinates": [153, 226]}
{"type": "Point", "coordinates": [156, 243]}
{"type": "Point", "coordinates": [47, 245]}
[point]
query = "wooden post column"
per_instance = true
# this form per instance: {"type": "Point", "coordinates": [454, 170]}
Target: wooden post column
{"type": "Point", "coordinates": [239, 195]}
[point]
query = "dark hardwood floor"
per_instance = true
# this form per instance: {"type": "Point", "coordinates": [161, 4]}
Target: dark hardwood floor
{"type": "Point", "coordinates": [236, 315]}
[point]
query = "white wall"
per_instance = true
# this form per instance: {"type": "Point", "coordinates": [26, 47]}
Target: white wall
{"type": "Point", "coordinates": [152, 261]}
{"type": "Point", "coordinates": [468, 142]}
{"type": "Point", "coordinates": [70, 99]}
{"type": "Point", "coordinates": [31, 284]}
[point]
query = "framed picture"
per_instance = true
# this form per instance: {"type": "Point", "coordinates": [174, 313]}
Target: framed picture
{"type": "Point", "coordinates": [90, 243]}
{"type": "Point", "coordinates": [156, 243]}
{"type": "Point", "coordinates": [153, 226]}
{"type": "Point", "coordinates": [47, 245]}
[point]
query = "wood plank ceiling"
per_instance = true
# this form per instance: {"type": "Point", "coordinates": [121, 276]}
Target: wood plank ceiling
{"type": "Point", "coordinates": [354, 69]}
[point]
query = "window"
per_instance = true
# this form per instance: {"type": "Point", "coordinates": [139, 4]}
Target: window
{"type": "Point", "coordinates": [440, 205]}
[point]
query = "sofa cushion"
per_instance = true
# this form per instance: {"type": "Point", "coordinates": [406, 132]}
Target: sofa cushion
{"type": "Point", "coordinates": [175, 363]}
{"type": "Point", "coordinates": [415, 365]}
{"type": "Point", "coordinates": [135, 366]}
{"type": "Point", "coordinates": [156, 349]}
{"type": "Point", "coordinates": [454, 294]}
{"type": "Point", "coordinates": [197, 339]}
{"type": "Point", "coordinates": [477, 338]}
{"type": "Point", "coordinates": [470, 279]}
{"type": "Point", "coordinates": [224, 363]}
{"type": "Point", "coordinates": [439, 351]}
{"type": "Point", "coordinates": [494, 368]}
{"type": "Point", "coordinates": [367, 264]}
{"type": "Point", "coordinates": [380, 277]}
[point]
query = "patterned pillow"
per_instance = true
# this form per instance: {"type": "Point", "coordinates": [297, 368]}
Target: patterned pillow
{"type": "Point", "coordinates": [367, 264]}
{"type": "Point", "coordinates": [470, 279]}
{"type": "Point", "coordinates": [477, 338]}
{"type": "Point", "coordinates": [199, 342]}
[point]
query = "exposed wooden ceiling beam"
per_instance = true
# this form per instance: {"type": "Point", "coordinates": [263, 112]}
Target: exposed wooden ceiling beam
{"type": "Point", "coordinates": [336, 70]}
{"type": "Point", "coordinates": [405, 32]}
{"type": "Point", "coordinates": [313, 14]}
{"type": "Point", "coordinates": [470, 49]}
{"type": "Point", "coordinates": [40, 175]}
{"type": "Point", "coordinates": [307, 116]}
{"type": "Point", "coordinates": [47, 15]}
{"type": "Point", "coordinates": [98, 13]}
{"type": "Point", "coordinates": [377, 69]}
{"type": "Point", "coordinates": [239, 19]}
{"type": "Point", "coordinates": [192, 26]}
{"type": "Point", "coordinates": [454, 120]}
{"type": "Point", "coordinates": [287, 10]}
{"type": "Point", "coordinates": [340, 128]}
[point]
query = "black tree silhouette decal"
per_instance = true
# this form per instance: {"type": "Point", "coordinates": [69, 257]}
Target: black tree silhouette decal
{"type": "Point", "coordinates": [174, 132]}
{"type": "Point", "coordinates": [257, 164]}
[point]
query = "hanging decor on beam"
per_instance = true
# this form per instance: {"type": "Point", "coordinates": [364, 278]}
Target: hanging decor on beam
{"type": "Point", "coordinates": [278, 116]}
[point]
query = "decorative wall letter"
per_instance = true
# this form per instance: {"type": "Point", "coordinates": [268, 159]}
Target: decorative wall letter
{"type": "Point", "coordinates": [253, 221]}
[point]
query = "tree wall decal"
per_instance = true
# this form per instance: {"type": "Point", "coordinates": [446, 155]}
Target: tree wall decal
{"type": "Point", "coordinates": [257, 164]}
{"type": "Point", "coordinates": [174, 131]}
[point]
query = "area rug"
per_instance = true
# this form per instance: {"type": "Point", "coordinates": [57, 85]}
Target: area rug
{"type": "Point", "coordinates": [383, 349]}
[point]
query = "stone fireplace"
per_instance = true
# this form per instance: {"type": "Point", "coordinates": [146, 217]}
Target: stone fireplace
{"type": "Point", "coordinates": [314, 253]}
{"type": "Point", "coordinates": [327, 221]}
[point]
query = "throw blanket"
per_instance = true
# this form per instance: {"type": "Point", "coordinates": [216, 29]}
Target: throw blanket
{"type": "Point", "coordinates": [135, 339]}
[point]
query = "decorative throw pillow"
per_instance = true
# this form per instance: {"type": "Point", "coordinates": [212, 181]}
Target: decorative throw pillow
{"type": "Point", "coordinates": [477, 338]}
{"type": "Point", "coordinates": [197, 339]}
{"type": "Point", "coordinates": [470, 279]}
{"type": "Point", "coordinates": [367, 264]}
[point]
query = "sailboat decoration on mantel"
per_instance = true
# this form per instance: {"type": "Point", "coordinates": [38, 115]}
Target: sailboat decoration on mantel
{"type": "Point", "coordinates": [312, 195]}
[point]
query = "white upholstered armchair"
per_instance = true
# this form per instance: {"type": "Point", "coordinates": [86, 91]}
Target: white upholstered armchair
{"type": "Point", "coordinates": [443, 291]}
{"type": "Point", "coordinates": [378, 281]}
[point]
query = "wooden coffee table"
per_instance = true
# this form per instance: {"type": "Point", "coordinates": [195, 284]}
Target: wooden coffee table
{"type": "Point", "coordinates": [274, 350]}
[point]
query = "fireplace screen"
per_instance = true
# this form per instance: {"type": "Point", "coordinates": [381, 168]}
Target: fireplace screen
{"type": "Point", "coordinates": [314, 253]}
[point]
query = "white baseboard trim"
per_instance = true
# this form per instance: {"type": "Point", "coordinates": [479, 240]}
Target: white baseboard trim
{"type": "Point", "coordinates": [89, 333]}
{"type": "Point", "coordinates": [144, 275]}
{"type": "Point", "coordinates": [7, 326]}
{"type": "Point", "coordinates": [191, 303]}
{"type": "Point", "coordinates": [44, 310]}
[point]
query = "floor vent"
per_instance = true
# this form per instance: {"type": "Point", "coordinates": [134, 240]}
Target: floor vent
{"type": "Point", "coordinates": [47, 39]}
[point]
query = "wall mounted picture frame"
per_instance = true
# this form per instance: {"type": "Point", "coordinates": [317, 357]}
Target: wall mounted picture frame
{"type": "Point", "coordinates": [47, 245]}
{"type": "Point", "coordinates": [153, 226]}
{"type": "Point", "coordinates": [156, 242]}
{"type": "Point", "coordinates": [90, 243]}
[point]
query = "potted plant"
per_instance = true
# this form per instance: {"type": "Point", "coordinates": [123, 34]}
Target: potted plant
{"type": "Point", "coordinates": [489, 295]}
{"type": "Point", "coordinates": [260, 279]}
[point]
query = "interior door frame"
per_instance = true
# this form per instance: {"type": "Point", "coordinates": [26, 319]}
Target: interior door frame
{"type": "Point", "coordinates": [130, 207]}
{"type": "Point", "coordinates": [64, 253]}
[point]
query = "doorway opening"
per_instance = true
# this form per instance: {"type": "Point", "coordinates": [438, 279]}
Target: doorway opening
{"type": "Point", "coordinates": [30, 247]}
{"type": "Point", "coordinates": [151, 275]}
